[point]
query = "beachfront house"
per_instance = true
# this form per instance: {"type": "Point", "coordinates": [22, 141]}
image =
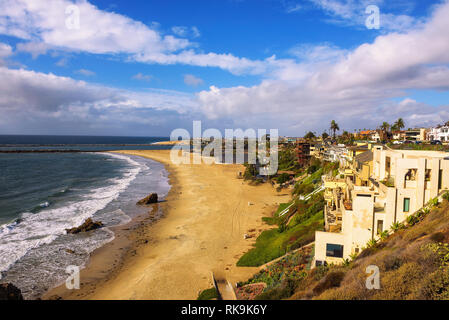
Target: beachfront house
{"type": "Point", "coordinates": [438, 133]}
{"type": "Point", "coordinates": [389, 185]}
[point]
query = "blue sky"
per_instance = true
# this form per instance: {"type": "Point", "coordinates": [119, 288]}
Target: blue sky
{"type": "Point", "coordinates": [147, 67]}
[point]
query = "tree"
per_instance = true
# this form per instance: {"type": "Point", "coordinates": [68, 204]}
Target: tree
{"type": "Point", "coordinates": [385, 127]}
{"type": "Point", "coordinates": [324, 135]}
{"type": "Point", "coordinates": [399, 124]}
{"type": "Point", "coordinates": [309, 135]}
{"type": "Point", "coordinates": [334, 127]}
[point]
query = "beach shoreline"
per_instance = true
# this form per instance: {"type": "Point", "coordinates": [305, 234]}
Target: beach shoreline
{"type": "Point", "coordinates": [200, 230]}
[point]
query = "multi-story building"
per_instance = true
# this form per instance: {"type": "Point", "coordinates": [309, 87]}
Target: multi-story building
{"type": "Point", "coordinates": [400, 182]}
{"type": "Point", "coordinates": [418, 134]}
{"type": "Point", "coordinates": [438, 133]}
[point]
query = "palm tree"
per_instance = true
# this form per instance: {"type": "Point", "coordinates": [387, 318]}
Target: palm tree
{"type": "Point", "coordinates": [385, 127]}
{"type": "Point", "coordinates": [334, 127]}
{"type": "Point", "coordinates": [399, 124]}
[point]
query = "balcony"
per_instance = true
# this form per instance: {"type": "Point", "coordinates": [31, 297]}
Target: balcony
{"type": "Point", "coordinates": [333, 219]}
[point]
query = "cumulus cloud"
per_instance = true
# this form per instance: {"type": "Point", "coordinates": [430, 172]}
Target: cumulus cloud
{"type": "Point", "coordinates": [46, 26]}
{"type": "Point", "coordinates": [348, 12]}
{"type": "Point", "coordinates": [354, 88]}
{"type": "Point", "coordinates": [34, 48]}
{"type": "Point", "coordinates": [5, 52]}
{"type": "Point", "coordinates": [191, 80]}
{"type": "Point", "coordinates": [31, 102]}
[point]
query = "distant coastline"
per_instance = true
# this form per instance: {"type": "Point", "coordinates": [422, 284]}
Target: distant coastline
{"type": "Point", "coordinates": [170, 143]}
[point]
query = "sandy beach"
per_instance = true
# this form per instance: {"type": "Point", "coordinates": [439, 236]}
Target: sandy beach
{"type": "Point", "coordinates": [171, 143]}
{"type": "Point", "coordinates": [205, 216]}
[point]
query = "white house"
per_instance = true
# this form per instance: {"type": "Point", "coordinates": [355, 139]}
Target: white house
{"type": "Point", "coordinates": [441, 133]}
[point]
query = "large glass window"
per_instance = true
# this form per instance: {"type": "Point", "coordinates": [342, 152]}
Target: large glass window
{"type": "Point", "coordinates": [406, 204]}
{"type": "Point", "coordinates": [334, 250]}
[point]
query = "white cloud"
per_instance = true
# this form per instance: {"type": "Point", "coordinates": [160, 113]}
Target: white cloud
{"type": "Point", "coordinates": [353, 13]}
{"type": "Point", "coordinates": [62, 62]}
{"type": "Point", "coordinates": [353, 87]}
{"type": "Point", "coordinates": [47, 103]}
{"type": "Point", "coordinates": [5, 51]}
{"type": "Point", "coordinates": [142, 77]}
{"type": "Point", "coordinates": [34, 48]}
{"type": "Point", "coordinates": [185, 32]}
{"type": "Point", "coordinates": [102, 32]}
{"type": "Point", "coordinates": [313, 53]}
{"type": "Point", "coordinates": [180, 31]}
{"type": "Point", "coordinates": [85, 72]}
{"type": "Point", "coordinates": [193, 81]}
{"type": "Point", "coordinates": [293, 8]}
{"type": "Point", "coordinates": [196, 32]}
{"type": "Point", "coordinates": [228, 62]}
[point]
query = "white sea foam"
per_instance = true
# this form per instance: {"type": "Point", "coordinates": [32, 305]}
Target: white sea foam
{"type": "Point", "coordinates": [35, 230]}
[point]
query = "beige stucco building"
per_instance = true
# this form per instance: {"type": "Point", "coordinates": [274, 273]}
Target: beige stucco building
{"type": "Point", "coordinates": [400, 183]}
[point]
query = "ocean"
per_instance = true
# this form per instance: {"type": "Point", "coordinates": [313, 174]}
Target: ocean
{"type": "Point", "coordinates": [42, 194]}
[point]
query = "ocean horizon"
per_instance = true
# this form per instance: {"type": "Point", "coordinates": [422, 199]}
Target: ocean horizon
{"type": "Point", "coordinates": [79, 142]}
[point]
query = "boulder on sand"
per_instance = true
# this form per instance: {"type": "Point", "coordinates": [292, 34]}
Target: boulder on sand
{"type": "Point", "coordinates": [152, 198]}
{"type": "Point", "coordinates": [88, 225]}
{"type": "Point", "coordinates": [8, 291]}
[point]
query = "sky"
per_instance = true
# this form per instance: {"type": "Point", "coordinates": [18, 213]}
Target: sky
{"type": "Point", "coordinates": [145, 68]}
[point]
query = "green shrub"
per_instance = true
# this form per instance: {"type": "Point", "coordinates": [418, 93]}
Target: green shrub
{"type": "Point", "coordinates": [384, 235]}
{"type": "Point", "coordinates": [446, 196]}
{"type": "Point", "coordinates": [283, 178]}
{"type": "Point", "coordinates": [397, 226]}
{"type": "Point", "coordinates": [272, 244]}
{"type": "Point", "coordinates": [208, 294]}
{"type": "Point", "coordinates": [412, 220]}
{"type": "Point", "coordinates": [435, 286]}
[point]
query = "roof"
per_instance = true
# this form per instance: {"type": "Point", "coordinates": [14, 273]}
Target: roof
{"type": "Point", "coordinates": [367, 132]}
{"type": "Point", "coordinates": [364, 157]}
{"type": "Point", "coordinates": [361, 147]}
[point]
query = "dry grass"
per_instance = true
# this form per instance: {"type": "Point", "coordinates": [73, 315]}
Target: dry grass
{"type": "Point", "coordinates": [410, 267]}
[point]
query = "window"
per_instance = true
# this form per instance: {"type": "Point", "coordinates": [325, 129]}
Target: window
{"type": "Point", "coordinates": [364, 195]}
{"type": "Point", "coordinates": [380, 226]}
{"type": "Point", "coordinates": [334, 250]}
{"type": "Point", "coordinates": [428, 174]}
{"type": "Point", "coordinates": [406, 204]}
{"type": "Point", "coordinates": [411, 174]}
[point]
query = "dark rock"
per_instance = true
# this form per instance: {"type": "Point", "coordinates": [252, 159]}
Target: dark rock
{"type": "Point", "coordinates": [88, 225]}
{"type": "Point", "coordinates": [152, 198]}
{"type": "Point", "coordinates": [8, 291]}
{"type": "Point", "coordinates": [70, 251]}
